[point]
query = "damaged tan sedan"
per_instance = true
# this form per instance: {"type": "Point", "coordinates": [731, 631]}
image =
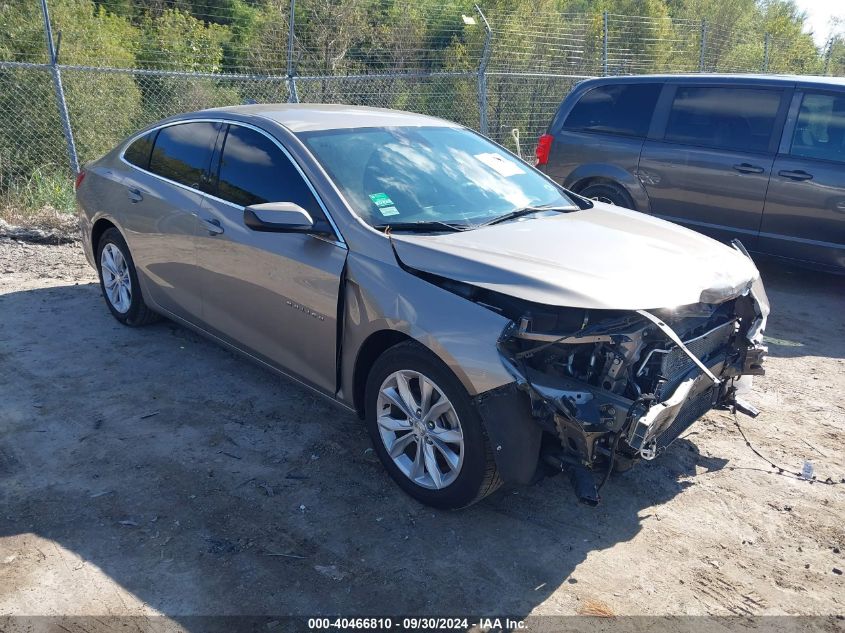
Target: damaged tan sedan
{"type": "Point", "coordinates": [487, 324]}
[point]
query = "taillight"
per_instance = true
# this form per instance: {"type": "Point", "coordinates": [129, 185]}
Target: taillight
{"type": "Point", "coordinates": [79, 178]}
{"type": "Point", "coordinates": [544, 147]}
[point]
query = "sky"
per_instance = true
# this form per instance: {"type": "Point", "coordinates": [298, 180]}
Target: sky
{"type": "Point", "coordinates": [819, 16]}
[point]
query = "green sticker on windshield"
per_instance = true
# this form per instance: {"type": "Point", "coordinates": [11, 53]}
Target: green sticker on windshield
{"type": "Point", "coordinates": [381, 200]}
{"type": "Point", "coordinates": [389, 210]}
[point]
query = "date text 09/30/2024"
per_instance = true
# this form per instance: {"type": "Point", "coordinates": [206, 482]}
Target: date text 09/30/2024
{"type": "Point", "coordinates": [488, 624]}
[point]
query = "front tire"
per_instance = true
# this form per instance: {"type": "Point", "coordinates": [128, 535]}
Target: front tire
{"type": "Point", "coordinates": [426, 429]}
{"type": "Point", "coordinates": [119, 281]}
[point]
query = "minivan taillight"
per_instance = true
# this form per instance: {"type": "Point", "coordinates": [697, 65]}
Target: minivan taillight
{"type": "Point", "coordinates": [544, 147]}
{"type": "Point", "coordinates": [79, 178]}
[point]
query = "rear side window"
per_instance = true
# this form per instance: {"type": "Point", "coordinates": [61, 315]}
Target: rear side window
{"type": "Point", "coordinates": [182, 152]}
{"type": "Point", "coordinates": [615, 109]}
{"type": "Point", "coordinates": [820, 129]}
{"type": "Point", "coordinates": [138, 152]}
{"type": "Point", "coordinates": [254, 170]}
{"type": "Point", "coordinates": [724, 118]}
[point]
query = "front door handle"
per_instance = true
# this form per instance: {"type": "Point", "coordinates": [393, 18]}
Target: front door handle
{"type": "Point", "coordinates": [747, 168]}
{"type": "Point", "coordinates": [840, 206]}
{"type": "Point", "coordinates": [798, 174]}
{"type": "Point", "coordinates": [213, 226]}
{"type": "Point", "coordinates": [135, 195]}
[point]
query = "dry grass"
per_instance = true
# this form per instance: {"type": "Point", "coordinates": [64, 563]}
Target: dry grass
{"type": "Point", "coordinates": [595, 608]}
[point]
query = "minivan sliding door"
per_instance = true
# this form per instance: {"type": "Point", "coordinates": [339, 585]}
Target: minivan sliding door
{"type": "Point", "coordinates": [710, 164]}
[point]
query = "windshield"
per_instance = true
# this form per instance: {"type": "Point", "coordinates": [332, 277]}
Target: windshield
{"type": "Point", "coordinates": [437, 176]}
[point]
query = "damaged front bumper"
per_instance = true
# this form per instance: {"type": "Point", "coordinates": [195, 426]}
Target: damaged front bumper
{"type": "Point", "coordinates": [622, 386]}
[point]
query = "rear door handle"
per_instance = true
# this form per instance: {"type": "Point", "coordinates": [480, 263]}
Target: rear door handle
{"type": "Point", "coordinates": [796, 175]}
{"type": "Point", "coordinates": [135, 195]}
{"type": "Point", "coordinates": [840, 206]}
{"type": "Point", "coordinates": [747, 168]}
{"type": "Point", "coordinates": [213, 226]}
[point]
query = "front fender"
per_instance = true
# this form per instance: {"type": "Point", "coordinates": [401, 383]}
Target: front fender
{"type": "Point", "coordinates": [381, 296]}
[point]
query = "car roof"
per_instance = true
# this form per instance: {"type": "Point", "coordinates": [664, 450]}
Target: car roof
{"type": "Point", "coordinates": [307, 117]}
{"type": "Point", "coordinates": [728, 78]}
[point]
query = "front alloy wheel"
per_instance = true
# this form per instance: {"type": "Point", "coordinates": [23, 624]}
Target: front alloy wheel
{"type": "Point", "coordinates": [426, 429]}
{"type": "Point", "coordinates": [420, 429]}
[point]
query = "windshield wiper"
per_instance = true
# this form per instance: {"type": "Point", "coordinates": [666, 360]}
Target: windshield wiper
{"type": "Point", "coordinates": [425, 226]}
{"type": "Point", "coordinates": [518, 213]}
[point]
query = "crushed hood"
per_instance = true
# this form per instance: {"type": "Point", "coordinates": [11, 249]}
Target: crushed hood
{"type": "Point", "coordinates": [600, 258]}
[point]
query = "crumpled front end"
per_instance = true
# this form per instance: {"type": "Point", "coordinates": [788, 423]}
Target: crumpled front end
{"type": "Point", "coordinates": [615, 386]}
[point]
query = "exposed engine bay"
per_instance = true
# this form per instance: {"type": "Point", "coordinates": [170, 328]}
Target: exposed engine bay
{"type": "Point", "coordinates": [616, 386]}
{"type": "Point", "coordinates": [610, 387]}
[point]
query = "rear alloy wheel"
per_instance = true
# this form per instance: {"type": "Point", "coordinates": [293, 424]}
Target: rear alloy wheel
{"type": "Point", "coordinates": [116, 281]}
{"type": "Point", "coordinates": [426, 430]}
{"type": "Point", "coordinates": [119, 281]}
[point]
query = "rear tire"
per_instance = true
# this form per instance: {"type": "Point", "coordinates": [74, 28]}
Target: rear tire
{"type": "Point", "coordinates": [608, 193]}
{"type": "Point", "coordinates": [457, 445]}
{"type": "Point", "coordinates": [119, 281]}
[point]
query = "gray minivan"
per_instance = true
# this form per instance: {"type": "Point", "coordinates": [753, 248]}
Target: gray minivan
{"type": "Point", "coordinates": [759, 158]}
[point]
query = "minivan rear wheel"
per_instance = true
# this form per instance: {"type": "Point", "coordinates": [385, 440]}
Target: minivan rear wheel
{"type": "Point", "coordinates": [608, 193]}
{"type": "Point", "coordinates": [426, 430]}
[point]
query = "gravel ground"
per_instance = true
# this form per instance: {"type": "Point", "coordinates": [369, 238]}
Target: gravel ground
{"type": "Point", "coordinates": [148, 471]}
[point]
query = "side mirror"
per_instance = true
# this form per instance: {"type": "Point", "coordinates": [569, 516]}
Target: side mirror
{"type": "Point", "coordinates": [281, 217]}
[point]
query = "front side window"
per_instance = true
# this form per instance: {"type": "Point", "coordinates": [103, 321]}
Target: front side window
{"type": "Point", "coordinates": [393, 175]}
{"type": "Point", "coordinates": [182, 152]}
{"type": "Point", "coordinates": [615, 109]}
{"type": "Point", "coordinates": [138, 152]}
{"type": "Point", "coordinates": [253, 170]}
{"type": "Point", "coordinates": [820, 129]}
{"type": "Point", "coordinates": [740, 119]}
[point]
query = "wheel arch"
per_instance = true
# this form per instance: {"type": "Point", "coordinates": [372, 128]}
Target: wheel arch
{"type": "Point", "coordinates": [373, 346]}
{"type": "Point", "coordinates": [101, 226]}
{"type": "Point", "coordinates": [587, 175]}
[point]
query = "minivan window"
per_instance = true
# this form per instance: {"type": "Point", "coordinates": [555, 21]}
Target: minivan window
{"type": "Point", "coordinates": [820, 129]}
{"type": "Point", "coordinates": [254, 170]}
{"type": "Point", "coordinates": [724, 117]}
{"type": "Point", "coordinates": [138, 152]}
{"type": "Point", "coordinates": [615, 109]}
{"type": "Point", "coordinates": [182, 152]}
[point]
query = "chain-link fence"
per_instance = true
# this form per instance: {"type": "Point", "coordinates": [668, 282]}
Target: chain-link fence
{"type": "Point", "coordinates": [73, 83]}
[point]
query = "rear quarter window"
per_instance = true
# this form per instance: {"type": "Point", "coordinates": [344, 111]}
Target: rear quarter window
{"type": "Point", "coordinates": [138, 152]}
{"type": "Point", "coordinates": [624, 109]}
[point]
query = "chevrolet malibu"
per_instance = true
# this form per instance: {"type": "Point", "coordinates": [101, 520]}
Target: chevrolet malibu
{"type": "Point", "coordinates": [488, 325]}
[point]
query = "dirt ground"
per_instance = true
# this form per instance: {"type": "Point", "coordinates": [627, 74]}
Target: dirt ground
{"type": "Point", "coordinates": [148, 471]}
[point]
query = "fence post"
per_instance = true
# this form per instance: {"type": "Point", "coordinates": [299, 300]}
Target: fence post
{"type": "Point", "coordinates": [604, 37]}
{"type": "Point", "coordinates": [59, 89]}
{"type": "Point", "coordinates": [483, 125]}
{"type": "Point", "coordinates": [293, 96]}
{"type": "Point", "coordinates": [767, 43]}
{"type": "Point", "coordinates": [703, 49]}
